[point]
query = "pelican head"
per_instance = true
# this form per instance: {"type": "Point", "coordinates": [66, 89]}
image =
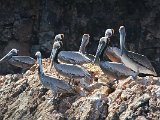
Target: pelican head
{"type": "Point", "coordinates": [84, 43]}
{"type": "Point", "coordinates": [14, 51]}
{"type": "Point", "coordinates": [109, 32]}
{"type": "Point", "coordinates": [86, 38]}
{"type": "Point", "coordinates": [57, 45]}
{"type": "Point", "coordinates": [122, 30]}
{"type": "Point", "coordinates": [101, 46]}
{"type": "Point", "coordinates": [38, 54]}
{"type": "Point", "coordinates": [59, 37]}
{"type": "Point", "coordinates": [122, 38]}
{"type": "Point", "coordinates": [11, 53]}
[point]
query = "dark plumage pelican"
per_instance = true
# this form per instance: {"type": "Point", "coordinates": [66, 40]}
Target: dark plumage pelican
{"type": "Point", "coordinates": [135, 61]}
{"type": "Point", "coordinates": [113, 70]}
{"type": "Point", "coordinates": [24, 62]}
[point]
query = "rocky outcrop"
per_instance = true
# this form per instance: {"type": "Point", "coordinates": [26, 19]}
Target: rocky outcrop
{"type": "Point", "coordinates": [24, 98]}
{"type": "Point", "coordinates": [30, 25]}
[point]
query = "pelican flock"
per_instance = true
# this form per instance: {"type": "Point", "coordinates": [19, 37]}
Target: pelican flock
{"type": "Point", "coordinates": [122, 64]}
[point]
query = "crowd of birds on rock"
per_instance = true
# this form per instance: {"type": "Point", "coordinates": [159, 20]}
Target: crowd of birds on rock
{"type": "Point", "coordinates": [69, 63]}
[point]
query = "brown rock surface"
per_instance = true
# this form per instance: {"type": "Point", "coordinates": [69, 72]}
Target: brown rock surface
{"type": "Point", "coordinates": [22, 97]}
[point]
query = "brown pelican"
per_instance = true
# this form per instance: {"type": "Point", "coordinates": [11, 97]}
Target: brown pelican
{"type": "Point", "coordinates": [57, 86]}
{"type": "Point", "coordinates": [76, 57]}
{"type": "Point", "coordinates": [68, 70]}
{"type": "Point", "coordinates": [113, 70]}
{"type": "Point", "coordinates": [137, 62]}
{"type": "Point", "coordinates": [113, 53]}
{"type": "Point", "coordinates": [24, 62]}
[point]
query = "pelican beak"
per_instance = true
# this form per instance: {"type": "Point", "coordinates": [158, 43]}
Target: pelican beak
{"type": "Point", "coordinates": [53, 53]}
{"type": "Point", "coordinates": [100, 48]}
{"type": "Point", "coordinates": [122, 39]}
{"type": "Point", "coordinates": [7, 57]}
{"type": "Point", "coordinates": [112, 31]}
{"type": "Point", "coordinates": [62, 35]}
{"type": "Point", "coordinates": [83, 45]}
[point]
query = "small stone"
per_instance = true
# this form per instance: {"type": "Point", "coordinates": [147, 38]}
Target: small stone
{"type": "Point", "coordinates": [2, 79]}
{"type": "Point", "coordinates": [140, 118]}
{"type": "Point", "coordinates": [31, 92]}
{"type": "Point", "coordinates": [126, 94]}
{"type": "Point", "coordinates": [122, 107]}
{"type": "Point", "coordinates": [9, 76]}
{"type": "Point", "coordinates": [158, 92]}
{"type": "Point", "coordinates": [16, 77]}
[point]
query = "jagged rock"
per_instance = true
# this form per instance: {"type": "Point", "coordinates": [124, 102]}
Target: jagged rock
{"type": "Point", "coordinates": [24, 97]}
{"type": "Point", "coordinates": [89, 108]}
{"type": "Point", "coordinates": [141, 118]}
{"type": "Point", "coordinates": [157, 92]}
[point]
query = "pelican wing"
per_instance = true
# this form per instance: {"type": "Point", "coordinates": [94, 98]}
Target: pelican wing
{"type": "Point", "coordinates": [72, 70]}
{"type": "Point", "coordinates": [73, 57]}
{"type": "Point", "coordinates": [22, 61]}
{"type": "Point", "coordinates": [56, 85]}
{"type": "Point", "coordinates": [117, 68]}
{"type": "Point", "coordinates": [140, 59]}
